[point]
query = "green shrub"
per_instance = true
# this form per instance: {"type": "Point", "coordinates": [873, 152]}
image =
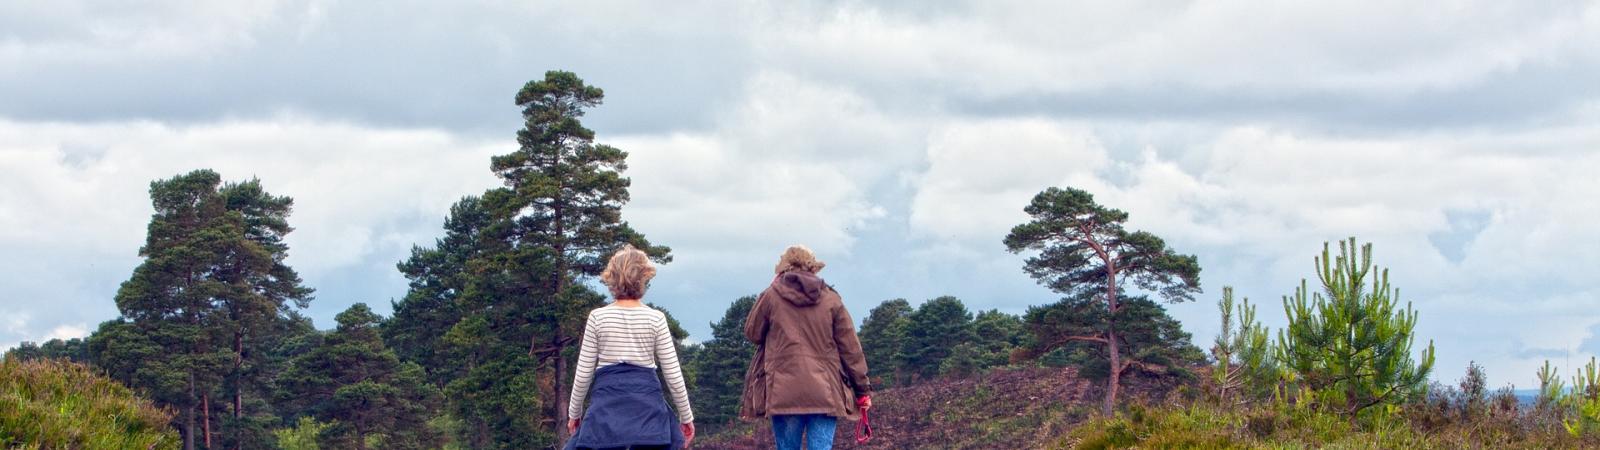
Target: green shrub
{"type": "Point", "coordinates": [56, 404]}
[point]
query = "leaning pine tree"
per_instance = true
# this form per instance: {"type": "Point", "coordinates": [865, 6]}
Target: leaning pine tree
{"type": "Point", "coordinates": [1085, 252]}
{"type": "Point", "coordinates": [1350, 345]}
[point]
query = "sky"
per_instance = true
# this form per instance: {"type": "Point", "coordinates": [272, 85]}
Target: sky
{"type": "Point", "coordinates": [898, 139]}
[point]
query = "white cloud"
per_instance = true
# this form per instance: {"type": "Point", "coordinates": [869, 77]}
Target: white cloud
{"type": "Point", "coordinates": [901, 141]}
{"type": "Point", "coordinates": [1007, 48]}
{"type": "Point", "coordinates": [980, 175]}
{"type": "Point", "coordinates": [66, 332]}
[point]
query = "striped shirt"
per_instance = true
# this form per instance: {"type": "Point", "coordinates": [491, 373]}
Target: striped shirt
{"type": "Point", "coordinates": [633, 335]}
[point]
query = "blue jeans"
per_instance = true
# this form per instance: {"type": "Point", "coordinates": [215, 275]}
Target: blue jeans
{"type": "Point", "coordinates": [787, 431]}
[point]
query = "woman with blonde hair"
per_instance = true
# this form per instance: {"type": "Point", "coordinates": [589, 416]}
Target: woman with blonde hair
{"type": "Point", "coordinates": [809, 370]}
{"type": "Point", "coordinates": [624, 343]}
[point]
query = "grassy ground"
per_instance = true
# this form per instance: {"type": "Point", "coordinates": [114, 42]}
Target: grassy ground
{"type": "Point", "coordinates": [1203, 425]}
{"type": "Point", "coordinates": [1042, 408]}
{"type": "Point", "coordinates": [49, 404]}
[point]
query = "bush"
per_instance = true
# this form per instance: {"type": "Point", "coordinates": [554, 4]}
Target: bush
{"type": "Point", "coordinates": [57, 404]}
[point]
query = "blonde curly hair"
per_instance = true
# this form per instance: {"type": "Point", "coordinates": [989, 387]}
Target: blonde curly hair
{"type": "Point", "coordinates": [628, 273]}
{"type": "Point", "coordinates": [798, 257]}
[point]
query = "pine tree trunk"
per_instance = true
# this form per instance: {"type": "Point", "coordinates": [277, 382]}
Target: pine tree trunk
{"type": "Point", "coordinates": [560, 286]}
{"type": "Point", "coordinates": [1113, 382]}
{"type": "Point", "coordinates": [188, 417]}
{"type": "Point", "coordinates": [205, 401]}
{"type": "Point", "coordinates": [562, 396]}
{"type": "Point", "coordinates": [238, 378]}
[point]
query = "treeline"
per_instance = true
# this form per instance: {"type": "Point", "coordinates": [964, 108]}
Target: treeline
{"type": "Point", "coordinates": [479, 352]}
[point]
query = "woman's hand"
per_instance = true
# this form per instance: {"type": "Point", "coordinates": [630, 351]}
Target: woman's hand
{"type": "Point", "coordinates": [572, 426]}
{"type": "Point", "coordinates": [865, 402]}
{"type": "Point", "coordinates": [688, 434]}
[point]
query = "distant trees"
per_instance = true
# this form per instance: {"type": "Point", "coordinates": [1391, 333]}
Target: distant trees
{"type": "Point", "coordinates": [719, 366]}
{"type": "Point", "coordinates": [1086, 254]}
{"type": "Point", "coordinates": [75, 350]}
{"type": "Point", "coordinates": [356, 385]}
{"type": "Point", "coordinates": [1351, 343]}
{"type": "Point", "coordinates": [882, 335]}
{"type": "Point", "coordinates": [993, 336]}
{"type": "Point", "coordinates": [934, 329]}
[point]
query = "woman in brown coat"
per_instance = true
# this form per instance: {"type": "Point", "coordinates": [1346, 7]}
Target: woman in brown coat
{"type": "Point", "coordinates": [808, 369]}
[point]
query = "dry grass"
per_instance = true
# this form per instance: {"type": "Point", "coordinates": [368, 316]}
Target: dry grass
{"type": "Point", "coordinates": [55, 404]}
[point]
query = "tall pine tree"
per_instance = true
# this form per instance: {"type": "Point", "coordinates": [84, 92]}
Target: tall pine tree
{"type": "Point", "coordinates": [213, 277]}
{"type": "Point", "coordinates": [1084, 252]}
{"type": "Point", "coordinates": [563, 197]}
{"type": "Point", "coordinates": [496, 307]}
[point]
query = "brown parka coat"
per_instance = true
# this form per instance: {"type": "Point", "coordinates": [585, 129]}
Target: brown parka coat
{"type": "Point", "coordinates": [808, 359]}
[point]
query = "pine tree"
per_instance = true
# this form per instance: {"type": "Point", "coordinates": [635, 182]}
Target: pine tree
{"type": "Point", "coordinates": [1086, 253]}
{"type": "Point", "coordinates": [1244, 364]}
{"type": "Point", "coordinates": [213, 276]}
{"type": "Point", "coordinates": [720, 364]}
{"type": "Point", "coordinates": [1152, 343]}
{"type": "Point", "coordinates": [562, 199]}
{"type": "Point", "coordinates": [883, 335]}
{"type": "Point", "coordinates": [936, 328]}
{"type": "Point", "coordinates": [360, 387]}
{"type": "Point", "coordinates": [1351, 343]}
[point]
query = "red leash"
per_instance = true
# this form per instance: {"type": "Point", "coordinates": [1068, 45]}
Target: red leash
{"type": "Point", "coordinates": [864, 428]}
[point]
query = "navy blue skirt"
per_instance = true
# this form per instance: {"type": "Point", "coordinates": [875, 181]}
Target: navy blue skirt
{"type": "Point", "coordinates": [627, 408]}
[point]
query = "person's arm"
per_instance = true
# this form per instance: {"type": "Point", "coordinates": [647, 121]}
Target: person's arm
{"type": "Point", "coordinates": [851, 358]}
{"type": "Point", "coordinates": [588, 357]}
{"type": "Point", "coordinates": [755, 324]}
{"type": "Point", "coordinates": [666, 353]}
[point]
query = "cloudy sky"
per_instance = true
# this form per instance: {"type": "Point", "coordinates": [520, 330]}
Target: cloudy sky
{"type": "Point", "coordinates": [898, 139]}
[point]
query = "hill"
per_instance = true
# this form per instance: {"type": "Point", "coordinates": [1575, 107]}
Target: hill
{"type": "Point", "coordinates": [55, 404]}
{"type": "Point", "coordinates": [1005, 408]}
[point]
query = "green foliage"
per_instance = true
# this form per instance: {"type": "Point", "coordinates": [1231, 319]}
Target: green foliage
{"type": "Point", "coordinates": [936, 327]}
{"type": "Point", "coordinates": [503, 290]}
{"type": "Point", "coordinates": [360, 388]}
{"type": "Point", "coordinates": [1351, 344]}
{"type": "Point", "coordinates": [994, 335]}
{"type": "Point", "coordinates": [56, 404]}
{"type": "Point", "coordinates": [200, 310]}
{"type": "Point", "coordinates": [720, 365]}
{"type": "Point", "coordinates": [883, 335]}
{"type": "Point", "coordinates": [1579, 407]}
{"type": "Point", "coordinates": [1087, 255]}
{"type": "Point", "coordinates": [1244, 367]}
{"type": "Point", "coordinates": [303, 436]}
{"type": "Point", "coordinates": [1153, 343]}
{"type": "Point", "coordinates": [75, 350]}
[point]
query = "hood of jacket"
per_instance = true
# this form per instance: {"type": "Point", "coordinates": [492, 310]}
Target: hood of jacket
{"type": "Point", "coordinates": [799, 288]}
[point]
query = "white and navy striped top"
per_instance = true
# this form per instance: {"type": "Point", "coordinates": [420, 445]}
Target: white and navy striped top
{"type": "Point", "coordinates": [633, 335]}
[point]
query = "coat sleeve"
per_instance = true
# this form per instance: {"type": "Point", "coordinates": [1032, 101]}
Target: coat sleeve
{"type": "Point", "coordinates": [755, 324]}
{"type": "Point", "coordinates": [851, 357]}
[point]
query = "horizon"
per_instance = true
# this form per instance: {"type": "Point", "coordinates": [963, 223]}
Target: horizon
{"type": "Point", "coordinates": [898, 140]}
